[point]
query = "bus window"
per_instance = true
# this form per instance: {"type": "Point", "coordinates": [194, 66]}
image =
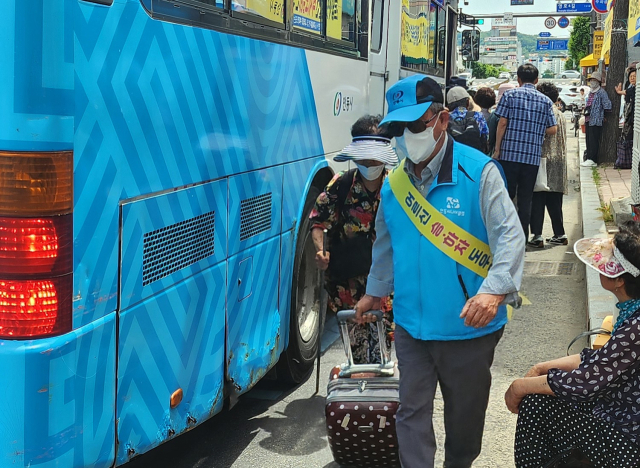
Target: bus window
{"type": "Point", "coordinates": [376, 25]}
{"type": "Point", "coordinates": [341, 20]}
{"type": "Point", "coordinates": [272, 10]}
{"type": "Point", "coordinates": [307, 16]}
{"type": "Point", "coordinates": [363, 28]}
{"type": "Point", "coordinates": [420, 21]}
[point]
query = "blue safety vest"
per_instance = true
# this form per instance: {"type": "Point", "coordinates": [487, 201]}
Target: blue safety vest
{"type": "Point", "coordinates": [429, 294]}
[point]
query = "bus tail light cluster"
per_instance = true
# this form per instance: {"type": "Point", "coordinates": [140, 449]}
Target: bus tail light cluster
{"type": "Point", "coordinates": [36, 244]}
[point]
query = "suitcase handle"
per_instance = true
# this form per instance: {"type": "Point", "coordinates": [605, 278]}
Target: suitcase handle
{"type": "Point", "coordinates": [386, 366]}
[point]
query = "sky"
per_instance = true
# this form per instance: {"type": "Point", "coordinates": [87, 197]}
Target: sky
{"type": "Point", "coordinates": [532, 26]}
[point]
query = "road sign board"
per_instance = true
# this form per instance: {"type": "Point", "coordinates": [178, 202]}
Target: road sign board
{"type": "Point", "coordinates": [583, 7]}
{"type": "Point", "coordinates": [563, 22]}
{"type": "Point", "coordinates": [600, 5]}
{"type": "Point", "coordinates": [508, 16]}
{"type": "Point", "coordinates": [552, 44]}
{"type": "Point", "coordinates": [545, 34]}
{"type": "Point", "coordinates": [550, 22]}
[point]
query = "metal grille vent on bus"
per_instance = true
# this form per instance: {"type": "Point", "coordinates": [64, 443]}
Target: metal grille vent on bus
{"type": "Point", "coordinates": [174, 247]}
{"type": "Point", "coordinates": [255, 216]}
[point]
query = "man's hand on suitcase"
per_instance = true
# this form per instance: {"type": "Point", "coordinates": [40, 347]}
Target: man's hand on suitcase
{"type": "Point", "coordinates": [363, 306]}
{"type": "Point", "coordinates": [481, 309]}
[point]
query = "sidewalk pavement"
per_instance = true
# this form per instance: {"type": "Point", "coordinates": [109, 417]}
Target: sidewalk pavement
{"type": "Point", "coordinates": [613, 190]}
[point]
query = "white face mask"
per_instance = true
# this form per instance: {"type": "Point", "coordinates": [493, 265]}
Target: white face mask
{"type": "Point", "coordinates": [417, 146]}
{"type": "Point", "coordinates": [370, 173]}
{"type": "Point", "coordinates": [594, 85]}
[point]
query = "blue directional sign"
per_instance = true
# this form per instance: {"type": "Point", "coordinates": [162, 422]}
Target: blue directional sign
{"type": "Point", "coordinates": [574, 7]}
{"type": "Point", "coordinates": [545, 34]}
{"type": "Point", "coordinates": [552, 44]}
{"type": "Point", "coordinates": [563, 22]}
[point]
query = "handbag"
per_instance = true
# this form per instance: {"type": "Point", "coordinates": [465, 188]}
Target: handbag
{"type": "Point", "coordinates": [350, 257]}
{"type": "Point", "coordinates": [587, 111]}
{"type": "Point", "coordinates": [541, 179]}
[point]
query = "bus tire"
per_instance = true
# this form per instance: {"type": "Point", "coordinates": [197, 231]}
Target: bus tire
{"type": "Point", "coordinates": [296, 362]}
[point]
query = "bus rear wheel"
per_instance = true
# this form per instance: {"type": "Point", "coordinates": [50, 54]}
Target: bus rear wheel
{"type": "Point", "coordinates": [296, 362]}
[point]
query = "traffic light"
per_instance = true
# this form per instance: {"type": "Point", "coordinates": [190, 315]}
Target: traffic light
{"type": "Point", "coordinates": [471, 45]}
{"type": "Point", "coordinates": [480, 21]}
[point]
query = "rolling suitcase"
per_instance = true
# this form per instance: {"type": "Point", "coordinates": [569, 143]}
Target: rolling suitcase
{"type": "Point", "coordinates": [361, 406]}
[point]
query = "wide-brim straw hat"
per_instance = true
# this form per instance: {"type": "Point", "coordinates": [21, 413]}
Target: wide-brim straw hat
{"type": "Point", "coordinates": [603, 256]}
{"type": "Point", "coordinates": [367, 148]}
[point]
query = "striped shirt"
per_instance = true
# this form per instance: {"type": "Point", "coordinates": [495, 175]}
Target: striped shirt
{"type": "Point", "coordinates": [529, 113]}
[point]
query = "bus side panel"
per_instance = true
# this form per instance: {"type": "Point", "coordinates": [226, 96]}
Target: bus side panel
{"type": "Point", "coordinates": [160, 106]}
{"type": "Point", "coordinates": [57, 407]}
{"type": "Point", "coordinates": [253, 319]}
{"type": "Point", "coordinates": [167, 238]}
{"type": "Point", "coordinates": [171, 341]}
{"type": "Point", "coordinates": [36, 96]}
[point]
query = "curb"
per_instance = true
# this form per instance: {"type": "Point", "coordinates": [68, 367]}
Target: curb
{"type": "Point", "coordinates": [599, 302]}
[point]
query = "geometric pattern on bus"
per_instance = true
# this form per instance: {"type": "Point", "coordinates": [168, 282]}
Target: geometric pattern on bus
{"type": "Point", "coordinates": [172, 340]}
{"type": "Point", "coordinates": [206, 104]}
{"type": "Point", "coordinates": [58, 396]}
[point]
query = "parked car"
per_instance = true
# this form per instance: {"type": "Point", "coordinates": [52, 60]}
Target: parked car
{"type": "Point", "coordinates": [571, 74]}
{"type": "Point", "coordinates": [505, 75]}
{"type": "Point", "coordinates": [467, 76]}
{"type": "Point", "coordinates": [570, 98]}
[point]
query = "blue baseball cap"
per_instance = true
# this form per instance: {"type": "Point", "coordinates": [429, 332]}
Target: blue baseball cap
{"type": "Point", "coordinates": [411, 97]}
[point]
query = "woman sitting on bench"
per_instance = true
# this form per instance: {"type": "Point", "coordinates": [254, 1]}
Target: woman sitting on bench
{"type": "Point", "coordinates": [588, 405]}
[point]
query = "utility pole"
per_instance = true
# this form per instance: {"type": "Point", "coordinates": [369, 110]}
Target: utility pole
{"type": "Point", "coordinates": [615, 75]}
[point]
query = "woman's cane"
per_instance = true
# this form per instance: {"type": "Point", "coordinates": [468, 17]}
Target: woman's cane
{"type": "Point", "coordinates": [322, 312]}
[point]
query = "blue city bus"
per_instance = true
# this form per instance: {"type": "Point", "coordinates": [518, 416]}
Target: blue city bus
{"type": "Point", "coordinates": [158, 162]}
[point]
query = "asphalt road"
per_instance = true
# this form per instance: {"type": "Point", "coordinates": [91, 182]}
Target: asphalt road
{"type": "Point", "coordinates": [275, 427]}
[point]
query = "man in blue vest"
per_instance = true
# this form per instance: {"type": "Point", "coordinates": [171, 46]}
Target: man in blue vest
{"type": "Point", "coordinates": [450, 244]}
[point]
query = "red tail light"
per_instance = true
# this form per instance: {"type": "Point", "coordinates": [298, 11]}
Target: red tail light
{"type": "Point", "coordinates": [36, 244]}
{"type": "Point", "coordinates": [34, 307]}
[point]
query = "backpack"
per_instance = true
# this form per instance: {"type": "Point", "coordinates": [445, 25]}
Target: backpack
{"type": "Point", "coordinates": [467, 132]}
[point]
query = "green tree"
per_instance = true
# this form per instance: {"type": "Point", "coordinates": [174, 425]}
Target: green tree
{"type": "Point", "coordinates": [482, 70]}
{"type": "Point", "coordinates": [569, 65]}
{"type": "Point", "coordinates": [579, 39]}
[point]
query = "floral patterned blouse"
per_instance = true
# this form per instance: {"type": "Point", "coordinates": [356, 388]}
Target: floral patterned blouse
{"type": "Point", "coordinates": [608, 377]}
{"type": "Point", "coordinates": [357, 213]}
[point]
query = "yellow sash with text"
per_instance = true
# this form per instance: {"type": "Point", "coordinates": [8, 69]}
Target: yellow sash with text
{"type": "Point", "coordinates": [456, 243]}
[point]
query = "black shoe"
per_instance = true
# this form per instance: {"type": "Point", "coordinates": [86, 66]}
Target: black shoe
{"type": "Point", "coordinates": [562, 240]}
{"type": "Point", "coordinates": [536, 242]}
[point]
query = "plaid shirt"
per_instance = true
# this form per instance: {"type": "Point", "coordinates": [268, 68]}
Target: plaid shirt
{"type": "Point", "coordinates": [529, 113]}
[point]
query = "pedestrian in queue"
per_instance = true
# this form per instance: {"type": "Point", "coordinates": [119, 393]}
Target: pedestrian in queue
{"type": "Point", "coordinates": [625, 144]}
{"type": "Point", "coordinates": [503, 88]}
{"type": "Point", "coordinates": [584, 407]}
{"type": "Point", "coordinates": [472, 129]}
{"type": "Point", "coordinates": [486, 99]}
{"type": "Point", "coordinates": [526, 116]}
{"type": "Point", "coordinates": [347, 210]}
{"type": "Point", "coordinates": [450, 247]}
{"type": "Point", "coordinates": [554, 151]}
{"type": "Point", "coordinates": [597, 103]}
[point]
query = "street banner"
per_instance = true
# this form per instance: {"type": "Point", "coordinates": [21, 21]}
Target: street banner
{"type": "Point", "coordinates": [598, 40]}
{"type": "Point", "coordinates": [608, 27]}
{"type": "Point", "coordinates": [306, 15]}
{"type": "Point", "coordinates": [633, 26]}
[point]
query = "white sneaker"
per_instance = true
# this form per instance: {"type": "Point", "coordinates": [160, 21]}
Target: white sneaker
{"type": "Point", "coordinates": [588, 163]}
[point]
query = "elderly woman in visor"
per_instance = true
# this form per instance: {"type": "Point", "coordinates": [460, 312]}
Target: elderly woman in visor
{"type": "Point", "coordinates": [585, 408]}
{"type": "Point", "coordinates": [347, 210]}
